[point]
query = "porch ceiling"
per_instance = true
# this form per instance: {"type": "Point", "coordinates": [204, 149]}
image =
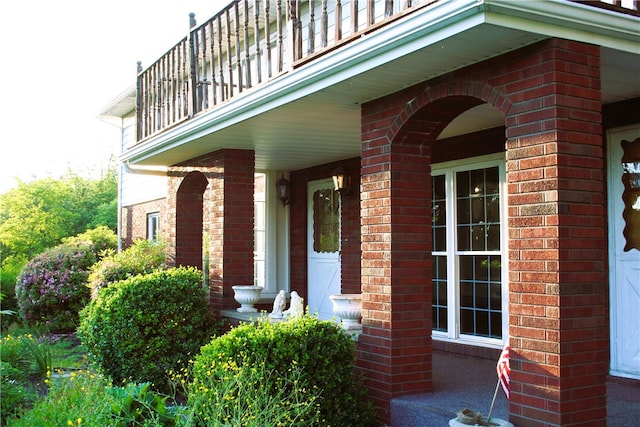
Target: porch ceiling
{"type": "Point", "coordinates": [311, 115]}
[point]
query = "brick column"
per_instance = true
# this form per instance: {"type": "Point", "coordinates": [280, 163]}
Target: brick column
{"type": "Point", "coordinates": [231, 225]}
{"type": "Point", "coordinates": [225, 212]}
{"type": "Point", "coordinates": [557, 228]}
{"type": "Point", "coordinates": [394, 351]}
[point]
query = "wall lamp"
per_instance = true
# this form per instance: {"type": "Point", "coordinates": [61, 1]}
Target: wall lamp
{"type": "Point", "coordinates": [341, 181]}
{"type": "Point", "coordinates": [284, 190]}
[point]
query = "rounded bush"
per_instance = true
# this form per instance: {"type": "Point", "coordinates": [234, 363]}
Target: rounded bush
{"type": "Point", "coordinates": [141, 328]}
{"type": "Point", "coordinates": [140, 258]}
{"type": "Point", "coordinates": [51, 289]}
{"type": "Point", "coordinates": [319, 350]}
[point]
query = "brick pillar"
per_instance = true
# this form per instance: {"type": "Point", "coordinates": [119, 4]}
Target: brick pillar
{"type": "Point", "coordinates": [394, 351]}
{"type": "Point", "coordinates": [557, 250]}
{"type": "Point", "coordinates": [225, 212]}
{"type": "Point", "coordinates": [231, 225]}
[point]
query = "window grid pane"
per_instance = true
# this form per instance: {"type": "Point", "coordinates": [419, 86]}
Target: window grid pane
{"type": "Point", "coordinates": [439, 213]}
{"type": "Point", "coordinates": [480, 295]}
{"type": "Point", "coordinates": [439, 294]}
{"type": "Point", "coordinates": [478, 209]}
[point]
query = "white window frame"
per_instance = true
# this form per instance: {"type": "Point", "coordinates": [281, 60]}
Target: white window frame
{"type": "Point", "coordinates": [276, 222]}
{"type": "Point", "coordinates": [449, 169]}
{"type": "Point", "coordinates": [153, 226]}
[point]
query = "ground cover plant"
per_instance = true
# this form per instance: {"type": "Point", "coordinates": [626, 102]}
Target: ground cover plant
{"type": "Point", "coordinates": [313, 357]}
{"type": "Point", "coordinates": [140, 328]}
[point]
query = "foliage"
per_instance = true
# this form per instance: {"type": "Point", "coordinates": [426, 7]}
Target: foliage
{"type": "Point", "coordinates": [16, 393]}
{"type": "Point", "coordinates": [140, 258]}
{"type": "Point", "coordinates": [39, 350]}
{"type": "Point", "coordinates": [8, 305]}
{"type": "Point", "coordinates": [51, 289]}
{"type": "Point", "coordinates": [102, 239]}
{"type": "Point", "coordinates": [251, 395]}
{"type": "Point", "coordinates": [87, 399]}
{"type": "Point", "coordinates": [320, 350]}
{"type": "Point", "coordinates": [15, 366]}
{"type": "Point", "coordinates": [135, 404]}
{"type": "Point", "coordinates": [36, 216]}
{"type": "Point", "coordinates": [142, 327]}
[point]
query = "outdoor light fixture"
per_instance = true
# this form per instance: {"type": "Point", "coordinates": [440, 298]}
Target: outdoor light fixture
{"type": "Point", "coordinates": [284, 190]}
{"type": "Point", "coordinates": [341, 180]}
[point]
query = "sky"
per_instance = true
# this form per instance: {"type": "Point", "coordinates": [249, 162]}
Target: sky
{"type": "Point", "coordinates": [62, 62]}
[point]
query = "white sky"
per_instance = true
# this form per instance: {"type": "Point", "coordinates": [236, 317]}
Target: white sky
{"type": "Point", "coordinates": [61, 62]}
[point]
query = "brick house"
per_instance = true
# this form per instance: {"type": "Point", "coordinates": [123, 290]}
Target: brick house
{"type": "Point", "coordinates": [492, 152]}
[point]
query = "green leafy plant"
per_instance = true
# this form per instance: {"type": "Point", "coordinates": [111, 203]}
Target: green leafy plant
{"type": "Point", "coordinates": [39, 350]}
{"type": "Point", "coordinates": [140, 258]}
{"type": "Point", "coordinates": [135, 404]}
{"type": "Point", "coordinates": [142, 327]}
{"type": "Point", "coordinates": [319, 351]}
{"type": "Point", "coordinates": [16, 393]}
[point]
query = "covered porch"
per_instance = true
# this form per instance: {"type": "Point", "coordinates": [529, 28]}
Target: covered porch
{"type": "Point", "coordinates": [469, 382]}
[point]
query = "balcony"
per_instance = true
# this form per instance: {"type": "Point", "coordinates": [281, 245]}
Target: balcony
{"type": "Point", "coordinates": [250, 43]}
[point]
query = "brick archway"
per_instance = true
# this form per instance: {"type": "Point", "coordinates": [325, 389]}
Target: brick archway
{"type": "Point", "coordinates": [549, 93]}
{"type": "Point", "coordinates": [395, 349]}
{"type": "Point", "coordinates": [189, 219]}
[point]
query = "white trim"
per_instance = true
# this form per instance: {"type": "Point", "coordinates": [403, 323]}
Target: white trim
{"type": "Point", "coordinates": [276, 239]}
{"type": "Point", "coordinates": [453, 321]}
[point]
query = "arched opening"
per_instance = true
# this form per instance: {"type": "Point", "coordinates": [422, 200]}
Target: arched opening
{"type": "Point", "coordinates": [189, 220]}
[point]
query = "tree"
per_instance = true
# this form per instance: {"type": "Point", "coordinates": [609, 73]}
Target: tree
{"type": "Point", "coordinates": [38, 215]}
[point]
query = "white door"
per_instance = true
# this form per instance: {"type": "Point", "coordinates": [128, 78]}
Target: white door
{"type": "Point", "coordinates": [624, 260]}
{"type": "Point", "coordinates": [323, 247]}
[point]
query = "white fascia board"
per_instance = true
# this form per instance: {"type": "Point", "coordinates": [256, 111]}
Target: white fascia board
{"type": "Point", "coordinates": [568, 20]}
{"type": "Point", "coordinates": [422, 28]}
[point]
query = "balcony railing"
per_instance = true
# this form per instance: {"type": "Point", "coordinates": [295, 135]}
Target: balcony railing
{"type": "Point", "coordinates": [246, 44]}
{"type": "Point", "coordinates": [252, 42]}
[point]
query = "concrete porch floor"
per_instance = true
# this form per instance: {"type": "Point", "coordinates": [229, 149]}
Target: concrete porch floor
{"type": "Point", "coordinates": [469, 382]}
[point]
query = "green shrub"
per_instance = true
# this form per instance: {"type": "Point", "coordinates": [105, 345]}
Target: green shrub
{"type": "Point", "coordinates": [140, 258]}
{"type": "Point", "coordinates": [51, 289]}
{"type": "Point", "coordinates": [251, 395]}
{"type": "Point", "coordinates": [101, 239]}
{"type": "Point", "coordinates": [143, 327]}
{"type": "Point", "coordinates": [321, 351]}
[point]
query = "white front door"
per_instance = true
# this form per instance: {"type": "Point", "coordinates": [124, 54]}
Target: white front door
{"type": "Point", "coordinates": [624, 257]}
{"type": "Point", "coordinates": [323, 247]}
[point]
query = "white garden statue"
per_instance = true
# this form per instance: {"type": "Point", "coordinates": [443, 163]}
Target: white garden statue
{"type": "Point", "coordinates": [296, 309]}
{"type": "Point", "coordinates": [279, 305]}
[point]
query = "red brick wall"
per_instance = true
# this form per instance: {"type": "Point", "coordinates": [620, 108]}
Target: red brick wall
{"type": "Point", "coordinates": [550, 96]}
{"type": "Point", "coordinates": [133, 224]}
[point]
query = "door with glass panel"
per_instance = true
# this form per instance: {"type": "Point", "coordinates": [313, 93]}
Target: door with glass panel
{"type": "Point", "coordinates": [469, 298]}
{"type": "Point", "coordinates": [323, 247]}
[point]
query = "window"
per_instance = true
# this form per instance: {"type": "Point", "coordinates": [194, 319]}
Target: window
{"type": "Point", "coordinates": [153, 226]}
{"type": "Point", "coordinates": [270, 237]}
{"type": "Point", "coordinates": [260, 231]}
{"type": "Point", "coordinates": [469, 299]}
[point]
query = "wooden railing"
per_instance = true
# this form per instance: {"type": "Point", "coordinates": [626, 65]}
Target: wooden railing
{"type": "Point", "coordinates": [246, 44]}
{"type": "Point", "coordinates": [254, 41]}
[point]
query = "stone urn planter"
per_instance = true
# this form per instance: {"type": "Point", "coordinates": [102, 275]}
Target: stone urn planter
{"type": "Point", "coordinates": [348, 307]}
{"type": "Point", "coordinates": [247, 296]}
